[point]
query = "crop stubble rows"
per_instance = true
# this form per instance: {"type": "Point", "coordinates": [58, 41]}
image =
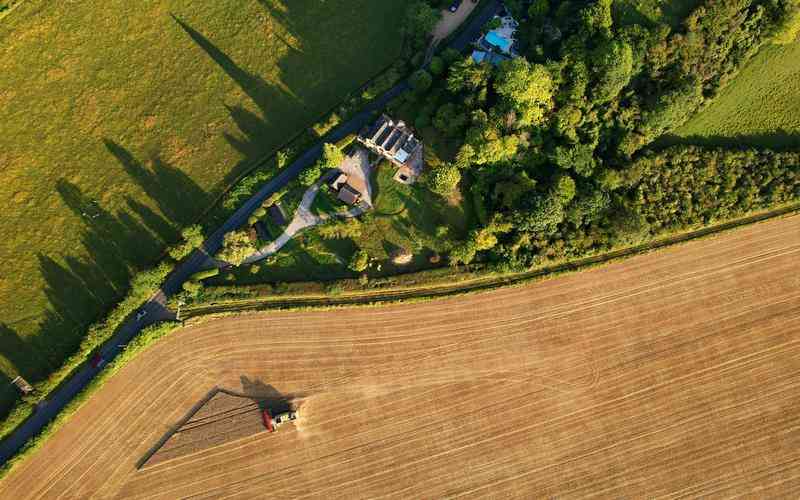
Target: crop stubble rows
{"type": "Point", "coordinates": [671, 374]}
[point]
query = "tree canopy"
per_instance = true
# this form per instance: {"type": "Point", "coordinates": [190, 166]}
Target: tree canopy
{"type": "Point", "coordinates": [236, 247]}
{"type": "Point", "coordinates": [528, 89]}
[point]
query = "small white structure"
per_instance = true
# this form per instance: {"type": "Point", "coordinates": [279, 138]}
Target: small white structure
{"type": "Point", "coordinates": [23, 385]}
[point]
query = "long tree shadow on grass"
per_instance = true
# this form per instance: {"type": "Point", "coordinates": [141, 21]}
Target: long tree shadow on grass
{"type": "Point", "coordinates": [273, 103]}
{"type": "Point", "coordinates": [779, 140]}
{"type": "Point", "coordinates": [308, 72]}
{"type": "Point", "coordinates": [20, 354]}
{"type": "Point", "coordinates": [175, 193]}
{"type": "Point", "coordinates": [80, 290]}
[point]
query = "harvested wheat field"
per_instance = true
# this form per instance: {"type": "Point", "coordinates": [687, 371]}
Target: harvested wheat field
{"type": "Point", "coordinates": [673, 374]}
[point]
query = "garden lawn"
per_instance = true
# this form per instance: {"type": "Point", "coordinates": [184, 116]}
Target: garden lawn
{"type": "Point", "coordinates": [306, 257]}
{"type": "Point", "coordinates": [410, 217]}
{"type": "Point", "coordinates": [123, 121]}
{"type": "Point", "coordinates": [760, 107]}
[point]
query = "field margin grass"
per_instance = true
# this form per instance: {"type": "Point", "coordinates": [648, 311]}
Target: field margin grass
{"type": "Point", "coordinates": [486, 280]}
{"type": "Point", "coordinates": [97, 335]}
{"type": "Point", "coordinates": [146, 338]}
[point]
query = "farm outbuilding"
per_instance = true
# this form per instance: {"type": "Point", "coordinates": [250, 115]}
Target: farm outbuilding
{"type": "Point", "coordinates": [23, 385]}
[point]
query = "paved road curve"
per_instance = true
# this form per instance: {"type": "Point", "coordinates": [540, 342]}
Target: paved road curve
{"type": "Point", "coordinates": [156, 306]}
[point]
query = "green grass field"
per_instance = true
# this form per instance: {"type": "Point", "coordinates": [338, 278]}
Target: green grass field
{"type": "Point", "coordinates": [760, 107]}
{"type": "Point", "coordinates": [648, 12]}
{"type": "Point", "coordinates": [123, 121]}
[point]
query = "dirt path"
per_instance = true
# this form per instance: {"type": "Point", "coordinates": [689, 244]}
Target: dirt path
{"type": "Point", "coordinates": [452, 20]}
{"type": "Point", "coordinates": [675, 373]}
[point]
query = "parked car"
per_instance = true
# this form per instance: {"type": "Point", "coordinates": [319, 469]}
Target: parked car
{"type": "Point", "coordinates": [455, 5]}
{"type": "Point", "coordinates": [98, 361]}
{"type": "Point", "coordinates": [141, 314]}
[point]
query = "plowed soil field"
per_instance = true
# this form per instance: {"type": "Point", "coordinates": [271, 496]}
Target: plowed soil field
{"type": "Point", "coordinates": [673, 374]}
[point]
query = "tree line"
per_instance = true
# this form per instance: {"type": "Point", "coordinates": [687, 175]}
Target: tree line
{"type": "Point", "coordinates": [557, 143]}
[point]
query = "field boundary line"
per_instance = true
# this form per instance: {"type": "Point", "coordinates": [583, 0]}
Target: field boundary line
{"type": "Point", "coordinates": [194, 314]}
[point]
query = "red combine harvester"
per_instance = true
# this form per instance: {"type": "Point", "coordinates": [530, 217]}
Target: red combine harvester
{"type": "Point", "coordinates": [272, 423]}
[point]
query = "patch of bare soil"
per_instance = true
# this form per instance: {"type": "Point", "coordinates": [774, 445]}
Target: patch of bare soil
{"type": "Point", "coordinates": [222, 419]}
{"type": "Point", "coordinates": [452, 20]}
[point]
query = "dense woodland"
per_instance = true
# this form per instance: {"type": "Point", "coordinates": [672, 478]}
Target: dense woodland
{"type": "Point", "coordinates": [556, 145]}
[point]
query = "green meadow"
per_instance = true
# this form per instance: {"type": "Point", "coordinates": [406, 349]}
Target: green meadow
{"type": "Point", "coordinates": [123, 121]}
{"type": "Point", "coordinates": [759, 107]}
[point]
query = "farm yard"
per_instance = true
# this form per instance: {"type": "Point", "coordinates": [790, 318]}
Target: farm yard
{"type": "Point", "coordinates": [671, 373]}
{"type": "Point", "coordinates": [124, 121]}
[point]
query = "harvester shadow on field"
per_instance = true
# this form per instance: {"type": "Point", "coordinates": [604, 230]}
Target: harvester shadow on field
{"type": "Point", "coordinates": [221, 416]}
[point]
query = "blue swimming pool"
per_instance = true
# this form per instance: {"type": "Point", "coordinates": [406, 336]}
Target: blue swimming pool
{"type": "Point", "coordinates": [498, 41]}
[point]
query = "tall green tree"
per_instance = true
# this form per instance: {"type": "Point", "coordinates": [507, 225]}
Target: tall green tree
{"type": "Point", "coordinates": [419, 21]}
{"type": "Point", "coordinates": [444, 180]}
{"type": "Point", "coordinates": [613, 69]}
{"type": "Point", "coordinates": [467, 75]}
{"type": "Point", "coordinates": [527, 88]}
{"type": "Point", "coordinates": [236, 247]}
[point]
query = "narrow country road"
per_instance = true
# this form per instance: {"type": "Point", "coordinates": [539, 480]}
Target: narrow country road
{"type": "Point", "coordinates": [156, 307]}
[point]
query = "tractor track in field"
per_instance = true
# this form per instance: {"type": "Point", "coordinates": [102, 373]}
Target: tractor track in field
{"type": "Point", "coordinates": [669, 374]}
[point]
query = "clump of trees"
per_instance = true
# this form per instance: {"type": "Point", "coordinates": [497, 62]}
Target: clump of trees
{"type": "Point", "coordinates": [556, 146]}
{"type": "Point", "coordinates": [192, 237]}
{"type": "Point", "coordinates": [332, 157]}
{"type": "Point", "coordinates": [236, 247]}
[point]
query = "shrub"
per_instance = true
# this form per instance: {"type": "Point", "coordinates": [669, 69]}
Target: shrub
{"type": "Point", "coordinates": [192, 238]}
{"type": "Point", "coordinates": [236, 247]}
{"type": "Point", "coordinates": [310, 175]}
{"type": "Point", "coordinates": [192, 288]}
{"type": "Point", "coordinates": [209, 273]}
{"type": "Point", "coordinates": [451, 55]}
{"type": "Point", "coordinates": [348, 139]}
{"type": "Point", "coordinates": [260, 212]}
{"type": "Point", "coordinates": [421, 81]}
{"type": "Point", "coordinates": [444, 180]}
{"type": "Point", "coordinates": [323, 127]}
{"type": "Point", "coordinates": [381, 84]}
{"type": "Point", "coordinates": [334, 289]}
{"type": "Point", "coordinates": [359, 261]}
{"type": "Point", "coordinates": [437, 66]}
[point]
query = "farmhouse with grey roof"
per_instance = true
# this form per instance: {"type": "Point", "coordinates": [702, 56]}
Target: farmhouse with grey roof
{"type": "Point", "coordinates": [395, 142]}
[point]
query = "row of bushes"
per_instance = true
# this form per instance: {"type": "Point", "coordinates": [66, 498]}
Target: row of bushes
{"type": "Point", "coordinates": [143, 286]}
{"type": "Point", "coordinates": [144, 339]}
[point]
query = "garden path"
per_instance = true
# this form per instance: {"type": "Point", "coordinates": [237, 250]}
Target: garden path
{"type": "Point", "coordinates": [303, 219]}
